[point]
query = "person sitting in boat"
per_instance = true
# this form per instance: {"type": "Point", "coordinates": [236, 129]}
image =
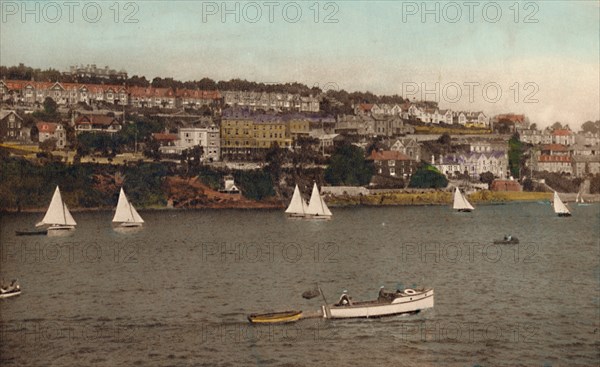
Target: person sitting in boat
{"type": "Point", "coordinates": [384, 296]}
{"type": "Point", "coordinates": [344, 300]}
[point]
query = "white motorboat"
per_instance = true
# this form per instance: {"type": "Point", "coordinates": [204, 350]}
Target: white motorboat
{"type": "Point", "coordinates": [387, 304]}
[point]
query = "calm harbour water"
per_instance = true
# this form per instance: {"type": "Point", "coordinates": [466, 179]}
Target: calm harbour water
{"type": "Point", "coordinates": [177, 292]}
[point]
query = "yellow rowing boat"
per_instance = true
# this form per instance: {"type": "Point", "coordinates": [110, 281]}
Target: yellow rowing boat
{"type": "Point", "coordinates": [275, 317]}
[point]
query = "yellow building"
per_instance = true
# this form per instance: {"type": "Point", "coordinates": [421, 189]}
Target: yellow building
{"type": "Point", "coordinates": [237, 136]}
{"type": "Point", "coordinates": [299, 128]}
{"type": "Point", "coordinates": [267, 133]}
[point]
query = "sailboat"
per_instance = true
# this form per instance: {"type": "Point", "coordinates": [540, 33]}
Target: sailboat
{"type": "Point", "coordinates": [297, 207]}
{"type": "Point", "coordinates": [57, 218]}
{"type": "Point", "coordinates": [559, 207]}
{"type": "Point", "coordinates": [461, 203]}
{"type": "Point", "coordinates": [579, 200]}
{"type": "Point", "coordinates": [126, 215]}
{"type": "Point", "coordinates": [317, 209]}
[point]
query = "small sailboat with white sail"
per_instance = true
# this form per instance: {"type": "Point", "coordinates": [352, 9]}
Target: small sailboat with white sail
{"type": "Point", "coordinates": [58, 218]}
{"type": "Point", "coordinates": [461, 203]}
{"type": "Point", "coordinates": [559, 207]}
{"type": "Point", "coordinates": [579, 200]}
{"type": "Point", "coordinates": [297, 207]}
{"type": "Point", "coordinates": [317, 209]}
{"type": "Point", "coordinates": [125, 215]}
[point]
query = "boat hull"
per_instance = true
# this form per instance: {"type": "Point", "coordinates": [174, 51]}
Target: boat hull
{"type": "Point", "coordinates": [10, 294]}
{"type": "Point", "coordinates": [513, 241]}
{"type": "Point", "coordinates": [275, 317]}
{"type": "Point", "coordinates": [464, 210]}
{"type": "Point", "coordinates": [31, 233]}
{"type": "Point", "coordinates": [564, 214]}
{"type": "Point", "coordinates": [408, 303]}
{"type": "Point", "coordinates": [316, 216]}
{"type": "Point", "coordinates": [129, 225]}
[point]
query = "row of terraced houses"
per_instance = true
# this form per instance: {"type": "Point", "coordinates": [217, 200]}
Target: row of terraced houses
{"type": "Point", "coordinates": [31, 93]}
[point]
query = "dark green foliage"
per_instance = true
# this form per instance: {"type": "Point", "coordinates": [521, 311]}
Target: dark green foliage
{"type": "Point", "coordinates": [428, 177]}
{"type": "Point", "coordinates": [348, 167]}
{"type": "Point", "coordinates": [105, 144]}
{"type": "Point", "coordinates": [24, 184]}
{"type": "Point", "coordinates": [143, 183]}
{"type": "Point", "coordinates": [49, 113]}
{"type": "Point", "coordinates": [515, 153]}
{"type": "Point", "coordinates": [487, 177]}
{"type": "Point", "coordinates": [210, 177]}
{"type": "Point", "coordinates": [560, 182]}
{"type": "Point", "coordinates": [595, 184]}
{"type": "Point", "coordinates": [255, 184]}
{"type": "Point", "coordinates": [591, 127]}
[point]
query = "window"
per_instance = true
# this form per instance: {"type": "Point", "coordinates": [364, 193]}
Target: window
{"type": "Point", "coordinates": [392, 172]}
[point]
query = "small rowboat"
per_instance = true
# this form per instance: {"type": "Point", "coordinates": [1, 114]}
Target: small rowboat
{"type": "Point", "coordinates": [12, 293]}
{"type": "Point", "coordinates": [507, 241]}
{"type": "Point", "coordinates": [275, 317]}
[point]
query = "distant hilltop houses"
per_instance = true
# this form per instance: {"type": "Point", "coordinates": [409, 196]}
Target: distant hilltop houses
{"type": "Point", "coordinates": [424, 114]}
{"type": "Point", "coordinates": [92, 71]}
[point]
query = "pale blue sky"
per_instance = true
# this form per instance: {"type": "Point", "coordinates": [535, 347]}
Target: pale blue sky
{"type": "Point", "coordinates": [370, 47]}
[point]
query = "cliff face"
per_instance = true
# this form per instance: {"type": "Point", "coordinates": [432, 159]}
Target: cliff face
{"type": "Point", "coordinates": [192, 193]}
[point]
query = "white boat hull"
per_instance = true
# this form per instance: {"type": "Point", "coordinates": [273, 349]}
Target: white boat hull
{"type": "Point", "coordinates": [404, 304]}
{"type": "Point", "coordinates": [129, 225]}
{"type": "Point", "coordinates": [60, 230]}
{"type": "Point", "coordinates": [10, 294]}
{"type": "Point", "coordinates": [316, 216]}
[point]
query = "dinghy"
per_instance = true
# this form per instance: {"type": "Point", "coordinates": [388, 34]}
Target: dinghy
{"type": "Point", "coordinates": [10, 291]}
{"type": "Point", "coordinates": [275, 317]}
{"type": "Point", "coordinates": [579, 200]}
{"type": "Point", "coordinates": [507, 240]}
{"type": "Point", "coordinates": [58, 218]}
{"type": "Point", "coordinates": [317, 209]}
{"type": "Point", "coordinates": [125, 214]}
{"type": "Point", "coordinates": [461, 203]}
{"type": "Point", "coordinates": [559, 207]}
{"type": "Point", "coordinates": [297, 207]}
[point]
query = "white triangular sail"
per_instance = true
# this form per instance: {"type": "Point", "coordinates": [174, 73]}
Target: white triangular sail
{"type": "Point", "coordinates": [460, 201]}
{"type": "Point", "coordinates": [297, 204]}
{"type": "Point", "coordinates": [58, 213]}
{"type": "Point", "coordinates": [125, 212]}
{"type": "Point", "coordinates": [316, 205]}
{"type": "Point", "coordinates": [559, 207]}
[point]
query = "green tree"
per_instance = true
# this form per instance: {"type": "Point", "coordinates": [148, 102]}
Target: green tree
{"type": "Point", "coordinates": [428, 177]}
{"type": "Point", "coordinates": [515, 155]}
{"type": "Point", "coordinates": [348, 167]}
{"type": "Point", "coordinates": [445, 139]}
{"type": "Point", "coordinates": [591, 127]}
{"type": "Point", "coordinates": [487, 177]}
{"type": "Point", "coordinates": [48, 145]}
